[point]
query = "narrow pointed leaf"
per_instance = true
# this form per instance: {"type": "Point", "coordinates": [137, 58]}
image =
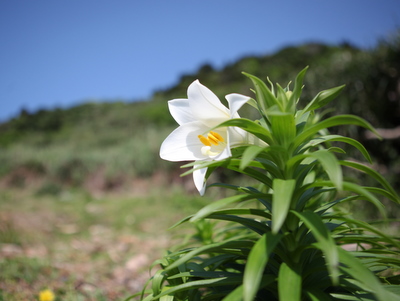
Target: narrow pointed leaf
{"type": "Point", "coordinates": [281, 97]}
{"type": "Point", "coordinates": [323, 98]}
{"type": "Point", "coordinates": [232, 245]}
{"type": "Point", "coordinates": [289, 283]}
{"type": "Point", "coordinates": [330, 122]}
{"type": "Point", "coordinates": [371, 229]}
{"type": "Point", "coordinates": [249, 223]}
{"type": "Point", "coordinates": [264, 95]}
{"type": "Point", "coordinates": [222, 281]}
{"type": "Point", "coordinates": [331, 165]}
{"type": "Point", "coordinates": [256, 263]}
{"type": "Point", "coordinates": [298, 85]}
{"type": "Point", "coordinates": [338, 138]}
{"type": "Point", "coordinates": [281, 200]}
{"type": "Point", "coordinates": [235, 295]}
{"type": "Point", "coordinates": [249, 154]}
{"type": "Point", "coordinates": [363, 193]}
{"type": "Point", "coordinates": [207, 210]}
{"type": "Point", "coordinates": [359, 272]}
{"type": "Point", "coordinates": [251, 127]}
{"type": "Point", "coordinates": [283, 127]}
{"type": "Point", "coordinates": [325, 241]}
{"type": "Point", "coordinates": [373, 173]}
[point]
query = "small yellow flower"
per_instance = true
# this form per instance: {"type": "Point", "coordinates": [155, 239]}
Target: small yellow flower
{"type": "Point", "coordinates": [46, 295]}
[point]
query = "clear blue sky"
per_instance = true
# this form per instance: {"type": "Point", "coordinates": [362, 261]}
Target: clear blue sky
{"type": "Point", "coordinates": [58, 53]}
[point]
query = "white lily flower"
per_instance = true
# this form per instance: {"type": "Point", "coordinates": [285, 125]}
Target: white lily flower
{"type": "Point", "coordinates": [194, 139]}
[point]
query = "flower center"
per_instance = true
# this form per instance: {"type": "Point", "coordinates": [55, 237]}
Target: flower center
{"type": "Point", "coordinates": [212, 138]}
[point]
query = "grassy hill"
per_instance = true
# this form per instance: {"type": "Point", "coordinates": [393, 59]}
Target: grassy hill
{"type": "Point", "coordinates": [54, 234]}
{"type": "Point", "coordinates": [121, 139]}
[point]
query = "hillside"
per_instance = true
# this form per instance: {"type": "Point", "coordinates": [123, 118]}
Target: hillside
{"type": "Point", "coordinates": [113, 141]}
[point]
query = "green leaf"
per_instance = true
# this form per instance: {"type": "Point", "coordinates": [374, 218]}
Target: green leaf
{"type": "Point", "coordinates": [315, 294]}
{"type": "Point", "coordinates": [283, 127]}
{"type": "Point", "coordinates": [298, 86]}
{"type": "Point", "coordinates": [338, 138]}
{"type": "Point", "coordinates": [355, 188]}
{"type": "Point", "coordinates": [374, 174]}
{"type": "Point", "coordinates": [281, 200]}
{"type": "Point", "coordinates": [330, 122]}
{"type": "Point", "coordinates": [325, 241]}
{"type": "Point", "coordinates": [256, 262]}
{"type": "Point", "coordinates": [265, 97]}
{"type": "Point", "coordinates": [167, 298]}
{"type": "Point", "coordinates": [354, 268]}
{"type": "Point", "coordinates": [249, 154]}
{"type": "Point", "coordinates": [235, 295]}
{"type": "Point", "coordinates": [252, 103]}
{"type": "Point", "coordinates": [353, 297]}
{"type": "Point", "coordinates": [209, 209]}
{"type": "Point", "coordinates": [221, 281]}
{"type": "Point", "coordinates": [245, 211]}
{"type": "Point", "coordinates": [250, 223]}
{"type": "Point", "coordinates": [228, 246]}
{"type": "Point", "coordinates": [383, 192]}
{"type": "Point", "coordinates": [281, 97]}
{"type": "Point", "coordinates": [157, 282]}
{"type": "Point", "coordinates": [233, 164]}
{"type": "Point", "coordinates": [363, 193]}
{"type": "Point", "coordinates": [251, 127]}
{"type": "Point", "coordinates": [289, 283]}
{"type": "Point", "coordinates": [323, 98]}
{"type": "Point", "coordinates": [331, 166]}
{"type": "Point", "coordinates": [369, 228]}
{"type": "Point", "coordinates": [255, 174]}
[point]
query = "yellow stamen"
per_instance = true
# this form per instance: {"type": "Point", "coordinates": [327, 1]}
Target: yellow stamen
{"type": "Point", "coordinates": [218, 136]}
{"type": "Point", "coordinates": [204, 140]}
{"type": "Point", "coordinates": [212, 139]}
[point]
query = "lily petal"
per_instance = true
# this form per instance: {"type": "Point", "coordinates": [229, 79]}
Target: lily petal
{"type": "Point", "coordinates": [199, 176]}
{"type": "Point", "coordinates": [183, 144]}
{"type": "Point", "coordinates": [236, 101]}
{"type": "Point", "coordinates": [205, 105]}
{"type": "Point", "coordinates": [237, 136]}
{"type": "Point", "coordinates": [180, 110]}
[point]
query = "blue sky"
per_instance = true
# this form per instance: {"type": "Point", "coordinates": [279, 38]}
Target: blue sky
{"type": "Point", "coordinates": [58, 53]}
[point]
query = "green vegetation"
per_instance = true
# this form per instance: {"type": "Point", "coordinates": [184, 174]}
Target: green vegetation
{"type": "Point", "coordinates": [284, 237]}
{"type": "Point", "coordinates": [121, 139]}
{"type": "Point", "coordinates": [60, 223]}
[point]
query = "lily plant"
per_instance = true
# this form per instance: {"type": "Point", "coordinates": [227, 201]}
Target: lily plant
{"type": "Point", "coordinates": [284, 237]}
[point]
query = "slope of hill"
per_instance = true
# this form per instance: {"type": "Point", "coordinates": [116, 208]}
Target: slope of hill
{"type": "Point", "coordinates": [119, 139]}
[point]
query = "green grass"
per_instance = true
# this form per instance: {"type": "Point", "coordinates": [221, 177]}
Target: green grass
{"type": "Point", "coordinates": [86, 153]}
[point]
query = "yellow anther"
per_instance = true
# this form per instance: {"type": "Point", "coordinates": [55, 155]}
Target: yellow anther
{"type": "Point", "coordinates": [204, 140]}
{"type": "Point", "coordinates": [212, 139]}
{"type": "Point", "coordinates": [216, 135]}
